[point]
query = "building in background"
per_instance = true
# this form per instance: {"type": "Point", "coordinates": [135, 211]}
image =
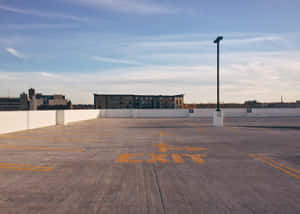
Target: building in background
{"type": "Point", "coordinates": [45, 102]}
{"type": "Point", "coordinates": [129, 101]}
{"type": "Point", "coordinates": [14, 103]}
{"type": "Point", "coordinates": [34, 102]}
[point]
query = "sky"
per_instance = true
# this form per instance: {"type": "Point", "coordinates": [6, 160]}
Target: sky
{"type": "Point", "coordinates": [82, 47]}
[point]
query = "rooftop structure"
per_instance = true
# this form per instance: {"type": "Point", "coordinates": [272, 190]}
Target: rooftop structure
{"type": "Point", "coordinates": [34, 101]}
{"type": "Point", "coordinates": [131, 101]}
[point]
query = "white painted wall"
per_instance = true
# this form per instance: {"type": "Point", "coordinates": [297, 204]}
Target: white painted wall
{"type": "Point", "coordinates": [161, 113]}
{"type": "Point", "coordinates": [60, 117]}
{"type": "Point", "coordinates": [166, 113]}
{"type": "Point", "coordinates": [276, 112]}
{"type": "Point", "coordinates": [65, 117]}
{"type": "Point", "coordinates": [12, 121]}
{"type": "Point", "coordinates": [143, 113]}
{"type": "Point", "coordinates": [38, 119]}
{"type": "Point", "coordinates": [198, 113]}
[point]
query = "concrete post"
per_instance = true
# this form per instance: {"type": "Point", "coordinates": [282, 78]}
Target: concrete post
{"type": "Point", "coordinates": [218, 119]}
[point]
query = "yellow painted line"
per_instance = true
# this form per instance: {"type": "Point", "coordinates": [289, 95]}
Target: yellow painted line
{"type": "Point", "coordinates": [38, 148]}
{"type": "Point", "coordinates": [232, 129]}
{"type": "Point", "coordinates": [264, 130]}
{"type": "Point", "coordinates": [197, 158]}
{"type": "Point", "coordinates": [201, 129]}
{"type": "Point", "coordinates": [24, 167]}
{"type": "Point", "coordinates": [158, 158]}
{"type": "Point", "coordinates": [93, 133]}
{"type": "Point", "coordinates": [127, 158]}
{"type": "Point", "coordinates": [195, 148]}
{"type": "Point", "coordinates": [162, 133]}
{"type": "Point", "coordinates": [273, 165]}
{"type": "Point", "coordinates": [162, 147]}
{"type": "Point", "coordinates": [47, 138]}
{"type": "Point", "coordinates": [177, 158]}
{"type": "Point", "coordinates": [280, 164]}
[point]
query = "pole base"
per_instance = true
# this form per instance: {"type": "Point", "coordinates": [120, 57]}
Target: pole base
{"type": "Point", "coordinates": [218, 119]}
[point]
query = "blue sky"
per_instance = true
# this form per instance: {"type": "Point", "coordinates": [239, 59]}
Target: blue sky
{"type": "Point", "coordinates": [81, 47]}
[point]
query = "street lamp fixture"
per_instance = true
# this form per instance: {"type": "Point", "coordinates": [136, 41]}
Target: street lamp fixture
{"type": "Point", "coordinates": [218, 116]}
{"type": "Point", "coordinates": [217, 41]}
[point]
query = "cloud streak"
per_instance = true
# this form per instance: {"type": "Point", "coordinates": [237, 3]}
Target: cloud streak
{"type": "Point", "coordinates": [113, 60]}
{"type": "Point", "coordinates": [264, 78]}
{"type": "Point", "coordinates": [37, 26]}
{"type": "Point", "coordinates": [205, 43]}
{"type": "Point", "coordinates": [43, 14]}
{"type": "Point", "coordinates": [129, 6]}
{"type": "Point", "coordinates": [15, 53]}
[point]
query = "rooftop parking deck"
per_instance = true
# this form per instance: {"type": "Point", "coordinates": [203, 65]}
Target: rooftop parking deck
{"type": "Point", "coordinates": [252, 165]}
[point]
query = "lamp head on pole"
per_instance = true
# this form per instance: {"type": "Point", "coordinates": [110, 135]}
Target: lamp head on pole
{"type": "Point", "coordinates": [218, 39]}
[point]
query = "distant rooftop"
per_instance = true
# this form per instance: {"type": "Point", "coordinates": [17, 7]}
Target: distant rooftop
{"type": "Point", "coordinates": [139, 95]}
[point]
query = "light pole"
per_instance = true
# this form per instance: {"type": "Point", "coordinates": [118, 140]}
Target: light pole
{"type": "Point", "coordinates": [217, 41]}
{"type": "Point", "coordinates": [218, 114]}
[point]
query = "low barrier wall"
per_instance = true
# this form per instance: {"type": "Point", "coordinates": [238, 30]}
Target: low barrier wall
{"type": "Point", "coordinates": [143, 113]}
{"type": "Point", "coordinates": [12, 121]}
{"type": "Point", "coordinates": [64, 117]}
{"type": "Point", "coordinates": [38, 119]}
{"type": "Point", "coordinates": [275, 112]}
{"type": "Point", "coordinates": [177, 113]}
{"type": "Point", "coordinates": [167, 113]}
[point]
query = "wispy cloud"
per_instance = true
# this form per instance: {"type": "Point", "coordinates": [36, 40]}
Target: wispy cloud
{"type": "Point", "coordinates": [204, 43]}
{"type": "Point", "coordinates": [113, 60]}
{"type": "Point", "coordinates": [37, 26]}
{"type": "Point", "coordinates": [263, 77]}
{"type": "Point", "coordinates": [44, 14]}
{"type": "Point", "coordinates": [49, 75]}
{"type": "Point", "coordinates": [129, 6]}
{"type": "Point", "coordinates": [15, 53]}
{"type": "Point", "coordinates": [253, 40]}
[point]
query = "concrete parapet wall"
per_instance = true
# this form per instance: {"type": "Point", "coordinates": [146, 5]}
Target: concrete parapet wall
{"type": "Point", "coordinates": [167, 113]}
{"type": "Point", "coordinates": [64, 117]}
{"type": "Point", "coordinates": [12, 121]}
{"type": "Point", "coordinates": [275, 112]}
{"type": "Point", "coordinates": [38, 119]}
{"type": "Point", "coordinates": [177, 113]}
{"type": "Point", "coordinates": [143, 113]}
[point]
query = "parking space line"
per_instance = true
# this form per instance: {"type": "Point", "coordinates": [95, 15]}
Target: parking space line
{"type": "Point", "coordinates": [46, 138]}
{"type": "Point", "coordinates": [232, 129]}
{"type": "Point", "coordinates": [280, 164]}
{"type": "Point", "coordinates": [264, 130]}
{"type": "Point", "coordinates": [161, 133]}
{"type": "Point", "coordinates": [275, 166]}
{"type": "Point", "coordinates": [200, 129]}
{"type": "Point", "coordinates": [38, 148]}
{"type": "Point", "coordinates": [189, 148]}
{"type": "Point", "coordinates": [24, 167]}
{"type": "Point", "coordinates": [95, 133]}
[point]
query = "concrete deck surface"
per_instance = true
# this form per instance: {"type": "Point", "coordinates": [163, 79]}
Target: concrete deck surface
{"type": "Point", "coordinates": [153, 166]}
